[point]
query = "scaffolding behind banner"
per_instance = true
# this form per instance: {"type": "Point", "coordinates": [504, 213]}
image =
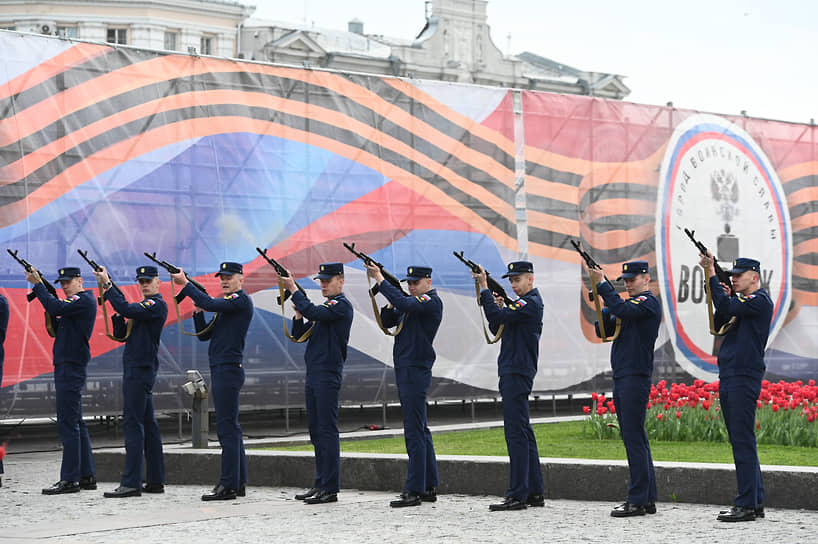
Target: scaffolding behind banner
{"type": "Point", "coordinates": [120, 151]}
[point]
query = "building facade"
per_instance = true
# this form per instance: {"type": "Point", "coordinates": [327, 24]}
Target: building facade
{"type": "Point", "coordinates": [454, 42]}
{"type": "Point", "coordinates": [210, 27]}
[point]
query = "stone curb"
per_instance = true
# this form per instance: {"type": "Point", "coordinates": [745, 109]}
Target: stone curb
{"type": "Point", "coordinates": [577, 479]}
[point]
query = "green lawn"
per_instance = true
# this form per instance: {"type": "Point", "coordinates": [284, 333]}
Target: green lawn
{"type": "Point", "coordinates": [569, 440]}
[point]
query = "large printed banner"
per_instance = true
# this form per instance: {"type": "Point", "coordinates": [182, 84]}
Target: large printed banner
{"type": "Point", "coordinates": [120, 151]}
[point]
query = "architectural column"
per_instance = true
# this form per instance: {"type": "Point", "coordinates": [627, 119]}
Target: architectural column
{"type": "Point", "coordinates": [93, 31]}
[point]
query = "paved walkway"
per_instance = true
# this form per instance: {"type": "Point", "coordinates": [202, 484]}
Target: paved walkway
{"type": "Point", "coordinates": [271, 515]}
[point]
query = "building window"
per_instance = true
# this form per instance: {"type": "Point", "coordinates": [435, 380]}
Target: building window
{"type": "Point", "coordinates": [117, 35]}
{"type": "Point", "coordinates": [171, 40]}
{"type": "Point", "coordinates": [67, 31]}
{"type": "Point", "coordinates": [207, 45]}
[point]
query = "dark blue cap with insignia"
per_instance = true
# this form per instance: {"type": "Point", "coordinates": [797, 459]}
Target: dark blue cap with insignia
{"type": "Point", "coordinates": [68, 273]}
{"type": "Point", "coordinates": [146, 273]}
{"type": "Point", "coordinates": [329, 270]}
{"type": "Point", "coordinates": [743, 264]}
{"type": "Point", "coordinates": [417, 273]}
{"type": "Point", "coordinates": [631, 269]}
{"type": "Point", "coordinates": [229, 268]}
{"type": "Point", "coordinates": [519, 267]}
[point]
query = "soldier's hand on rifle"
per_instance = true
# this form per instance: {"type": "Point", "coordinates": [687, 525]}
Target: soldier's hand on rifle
{"type": "Point", "coordinates": [33, 276]}
{"type": "Point", "coordinates": [481, 278]}
{"type": "Point", "coordinates": [597, 276]}
{"type": "Point", "coordinates": [102, 275]}
{"type": "Point", "coordinates": [288, 283]}
{"type": "Point", "coordinates": [498, 300]}
{"type": "Point", "coordinates": [179, 278]}
{"type": "Point", "coordinates": [706, 262]}
{"type": "Point", "coordinates": [374, 272]}
{"type": "Point", "coordinates": [297, 313]}
{"type": "Point", "coordinates": [197, 310]}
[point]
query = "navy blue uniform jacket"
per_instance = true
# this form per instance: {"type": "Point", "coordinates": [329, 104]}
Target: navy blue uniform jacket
{"type": "Point", "coordinates": [228, 334]}
{"type": "Point", "coordinates": [632, 351]}
{"type": "Point", "coordinates": [742, 351]}
{"type": "Point", "coordinates": [149, 317]}
{"type": "Point", "coordinates": [422, 315]}
{"type": "Point", "coordinates": [520, 346]}
{"type": "Point", "coordinates": [327, 347]}
{"type": "Point", "coordinates": [74, 320]}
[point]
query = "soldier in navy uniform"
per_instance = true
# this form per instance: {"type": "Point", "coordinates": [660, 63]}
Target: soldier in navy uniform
{"type": "Point", "coordinates": [4, 323]}
{"type": "Point", "coordinates": [140, 364]}
{"type": "Point", "coordinates": [73, 319]}
{"type": "Point", "coordinates": [517, 366]}
{"type": "Point", "coordinates": [741, 367]}
{"type": "Point", "coordinates": [413, 355]}
{"type": "Point", "coordinates": [632, 365]}
{"type": "Point", "coordinates": [226, 354]}
{"type": "Point", "coordinates": [325, 355]}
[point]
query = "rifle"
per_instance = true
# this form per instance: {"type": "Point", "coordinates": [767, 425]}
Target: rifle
{"type": "Point", "coordinates": [369, 261]}
{"type": "Point", "coordinates": [494, 285]}
{"type": "Point", "coordinates": [30, 269]}
{"type": "Point", "coordinates": [96, 268]}
{"type": "Point", "coordinates": [282, 273]}
{"type": "Point", "coordinates": [724, 277]}
{"type": "Point", "coordinates": [284, 295]}
{"type": "Point", "coordinates": [50, 322]}
{"type": "Point", "coordinates": [101, 301]}
{"type": "Point", "coordinates": [174, 270]}
{"type": "Point", "coordinates": [593, 296]}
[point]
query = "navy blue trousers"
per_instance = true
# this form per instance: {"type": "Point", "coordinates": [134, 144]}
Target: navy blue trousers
{"type": "Point", "coordinates": [413, 385]}
{"type": "Point", "coordinates": [738, 396]}
{"type": "Point", "coordinates": [77, 458]}
{"type": "Point", "coordinates": [141, 431]}
{"type": "Point", "coordinates": [630, 396]}
{"type": "Point", "coordinates": [227, 381]}
{"type": "Point", "coordinates": [525, 474]}
{"type": "Point", "coordinates": [321, 397]}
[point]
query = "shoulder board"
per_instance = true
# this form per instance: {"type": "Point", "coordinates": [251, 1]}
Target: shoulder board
{"type": "Point", "coordinates": [148, 302]}
{"type": "Point", "coordinates": [330, 302]}
{"type": "Point", "coordinates": [231, 296]}
{"type": "Point", "coordinates": [423, 298]}
{"type": "Point", "coordinates": [72, 298]}
{"type": "Point", "coordinates": [742, 298]}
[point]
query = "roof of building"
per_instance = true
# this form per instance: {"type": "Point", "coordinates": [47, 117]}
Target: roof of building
{"type": "Point", "coordinates": [330, 40]}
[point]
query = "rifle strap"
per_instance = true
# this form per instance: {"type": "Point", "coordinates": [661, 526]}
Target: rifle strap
{"type": "Point", "coordinates": [179, 316]}
{"type": "Point", "coordinates": [105, 318]}
{"type": "Point", "coordinates": [710, 316]}
{"type": "Point", "coordinates": [49, 325]}
{"type": "Point", "coordinates": [377, 312]}
{"type": "Point", "coordinates": [49, 321]}
{"type": "Point", "coordinates": [292, 338]}
{"type": "Point", "coordinates": [599, 317]}
{"type": "Point", "coordinates": [489, 340]}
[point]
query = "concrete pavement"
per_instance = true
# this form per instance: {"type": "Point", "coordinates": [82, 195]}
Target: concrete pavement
{"type": "Point", "coordinates": [269, 512]}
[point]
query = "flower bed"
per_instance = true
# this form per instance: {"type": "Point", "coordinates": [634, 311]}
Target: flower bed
{"type": "Point", "coordinates": [785, 414]}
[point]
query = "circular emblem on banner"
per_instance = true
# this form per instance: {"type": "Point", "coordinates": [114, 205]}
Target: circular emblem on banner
{"type": "Point", "coordinates": [717, 182]}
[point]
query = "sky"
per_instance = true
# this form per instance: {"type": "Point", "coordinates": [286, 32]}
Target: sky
{"type": "Point", "coordinates": [720, 56]}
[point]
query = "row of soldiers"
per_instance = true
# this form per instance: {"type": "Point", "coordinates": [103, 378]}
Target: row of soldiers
{"type": "Point", "coordinates": [417, 316]}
